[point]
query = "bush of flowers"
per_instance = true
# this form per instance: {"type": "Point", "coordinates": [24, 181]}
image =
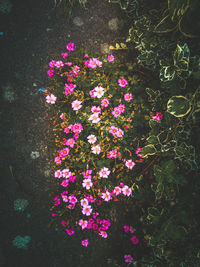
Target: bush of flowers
{"type": "Point", "coordinates": [93, 108]}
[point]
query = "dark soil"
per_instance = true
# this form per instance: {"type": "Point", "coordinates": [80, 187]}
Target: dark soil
{"type": "Point", "coordinates": [34, 33]}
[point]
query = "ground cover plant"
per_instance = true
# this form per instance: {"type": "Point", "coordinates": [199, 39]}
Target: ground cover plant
{"type": "Point", "coordinates": [94, 112]}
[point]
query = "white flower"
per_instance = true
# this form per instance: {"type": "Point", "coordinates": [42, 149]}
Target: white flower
{"type": "Point", "coordinates": [99, 91]}
{"type": "Point", "coordinates": [130, 164]}
{"type": "Point", "coordinates": [87, 210]}
{"type": "Point", "coordinates": [51, 99]}
{"type": "Point", "coordinates": [76, 104]}
{"type": "Point", "coordinates": [104, 172]}
{"type": "Point", "coordinates": [87, 183]}
{"type": "Point", "coordinates": [94, 118]}
{"type": "Point", "coordinates": [96, 149]}
{"type": "Point", "coordinates": [106, 196]}
{"type": "Point", "coordinates": [92, 139]}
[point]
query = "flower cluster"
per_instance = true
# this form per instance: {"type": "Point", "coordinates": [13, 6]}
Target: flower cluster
{"type": "Point", "coordinates": [93, 124]}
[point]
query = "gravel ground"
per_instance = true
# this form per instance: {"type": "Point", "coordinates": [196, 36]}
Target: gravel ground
{"type": "Point", "coordinates": [34, 32]}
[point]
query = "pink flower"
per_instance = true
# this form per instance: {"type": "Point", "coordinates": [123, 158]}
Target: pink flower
{"type": "Point", "coordinates": [130, 164]}
{"type": "Point", "coordinates": [52, 64]}
{"type": "Point", "coordinates": [70, 232]}
{"type": "Point", "coordinates": [92, 139]}
{"type": "Point", "coordinates": [65, 183]}
{"type": "Point", "coordinates": [85, 242]}
{"type": "Point", "coordinates": [92, 64]}
{"type": "Point", "coordinates": [84, 202]}
{"type": "Point", "coordinates": [83, 223]}
{"type": "Point", "coordinates": [121, 108]}
{"type": "Point", "coordinates": [158, 117]}
{"type": "Point", "coordinates": [128, 97]}
{"type": "Point", "coordinates": [106, 196]}
{"type": "Point", "coordinates": [68, 63]}
{"type": "Point", "coordinates": [70, 46]}
{"type": "Point", "coordinates": [110, 58]}
{"type": "Point", "coordinates": [117, 190]}
{"type": "Point", "coordinates": [96, 149]}
{"type": "Point", "coordinates": [128, 258]}
{"type": "Point", "coordinates": [116, 112]}
{"type": "Point", "coordinates": [134, 240]}
{"type": "Point", "coordinates": [87, 210]}
{"type": "Point", "coordinates": [103, 234]}
{"type": "Point", "coordinates": [126, 190]}
{"type": "Point", "coordinates": [132, 230]}
{"type": "Point", "coordinates": [62, 116]}
{"type": "Point", "coordinates": [104, 172]}
{"type": "Point", "coordinates": [64, 55]}
{"type": "Point", "coordinates": [50, 72]}
{"type": "Point", "coordinates": [58, 174]}
{"type": "Point", "coordinates": [92, 93]}
{"type": "Point", "coordinates": [77, 128]}
{"type": "Point", "coordinates": [112, 154]}
{"type": "Point", "coordinates": [87, 183]}
{"type": "Point", "coordinates": [104, 102]}
{"type": "Point", "coordinates": [59, 64]}
{"type": "Point", "coordinates": [72, 199]}
{"type": "Point", "coordinates": [76, 105]}
{"type": "Point", "coordinates": [99, 91]}
{"type": "Point", "coordinates": [120, 133]}
{"type": "Point", "coordinates": [64, 198]}
{"type": "Point", "coordinates": [64, 223]}
{"type": "Point", "coordinates": [122, 82]}
{"type": "Point", "coordinates": [57, 160]}
{"type": "Point", "coordinates": [70, 142]}
{"type": "Point", "coordinates": [87, 174]}
{"type": "Point", "coordinates": [51, 99]}
{"type": "Point", "coordinates": [76, 69]}
{"type": "Point", "coordinates": [66, 173]}
{"type": "Point", "coordinates": [95, 109]}
{"type": "Point", "coordinates": [126, 228]}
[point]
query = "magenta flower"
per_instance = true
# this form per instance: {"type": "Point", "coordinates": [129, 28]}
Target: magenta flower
{"type": "Point", "coordinates": [128, 258]}
{"type": "Point", "coordinates": [128, 97]}
{"type": "Point", "coordinates": [126, 228]}
{"type": "Point", "coordinates": [116, 112]}
{"type": "Point", "coordinates": [50, 72]}
{"type": "Point", "coordinates": [103, 234]}
{"type": "Point", "coordinates": [110, 58]}
{"type": "Point", "coordinates": [158, 117]}
{"type": "Point", "coordinates": [77, 128]}
{"type": "Point", "coordinates": [122, 82]}
{"type": "Point", "coordinates": [64, 55]}
{"type": "Point", "coordinates": [52, 64]}
{"type": "Point", "coordinates": [65, 183]}
{"type": "Point", "coordinates": [130, 164]}
{"type": "Point", "coordinates": [104, 102]}
{"type": "Point", "coordinates": [134, 240]}
{"type": "Point", "coordinates": [70, 232]}
{"type": "Point", "coordinates": [85, 242]}
{"type": "Point", "coordinates": [70, 46]}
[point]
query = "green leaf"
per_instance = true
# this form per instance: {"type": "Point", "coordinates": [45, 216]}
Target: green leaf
{"type": "Point", "coordinates": [153, 140]}
{"type": "Point", "coordinates": [165, 25]}
{"type": "Point", "coordinates": [147, 150]}
{"type": "Point", "coordinates": [178, 106]}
